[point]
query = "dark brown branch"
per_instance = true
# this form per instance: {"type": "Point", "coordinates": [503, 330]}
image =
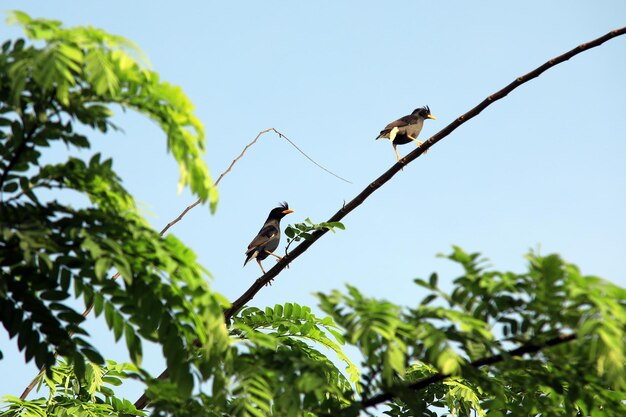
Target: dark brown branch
{"type": "Point", "coordinates": [143, 401]}
{"type": "Point", "coordinates": [385, 177]}
{"type": "Point", "coordinates": [490, 360]}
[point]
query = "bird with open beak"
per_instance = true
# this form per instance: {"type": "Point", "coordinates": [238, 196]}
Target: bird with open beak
{"type": "Point", "coordinates": [406, 129]}
{"type": "Point", "coordinates": [266, 241]}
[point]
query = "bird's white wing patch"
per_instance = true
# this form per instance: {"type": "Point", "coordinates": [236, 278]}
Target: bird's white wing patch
{"type": "Point", "coordinates": [393, 133]}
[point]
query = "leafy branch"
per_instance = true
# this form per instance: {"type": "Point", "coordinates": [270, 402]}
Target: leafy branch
{"type": "Point", "coordinates": [442, 347]}
{"type": "Point", "coordinates": [529, 348]}
{"type": "Point", "coordinates": [303, 231]}
{"type": "Point", "coordinates": [315, 235]}
{"type": "Point", "coordinates": [296, 321]}
{"type": "Point", "coordinates": [89, 396]}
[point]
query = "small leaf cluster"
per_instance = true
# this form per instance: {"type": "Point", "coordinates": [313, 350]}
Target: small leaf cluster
{"type": "Point", "coordinates": [278, 352]}
{"type": "Point", "coordinates": [277, 365]}
{"type": "Point", "coordinates": [304, 230]}
{"type": "Point", "coordinates": [70, 395]}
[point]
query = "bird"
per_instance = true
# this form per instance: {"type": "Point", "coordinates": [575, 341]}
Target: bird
{"type": "Point", "coordinates": [266, 241]}
{"type": "Point", "coordinates": [407, 128]}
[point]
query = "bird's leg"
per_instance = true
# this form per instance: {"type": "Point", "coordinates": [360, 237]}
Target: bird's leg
{"type": "Point", "coordinates": [278, 258]}
{"type": "Point", "coordinates": [419, 143]}
{"type": "Point", "coordinates": [260, 266]}
{"type": "Point", "coordinates": [395, 148]}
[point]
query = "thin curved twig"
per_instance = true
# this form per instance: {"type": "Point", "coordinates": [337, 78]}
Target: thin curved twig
{"type": "Point", "coordinates": [181, 215]}
{"type": "Point", "coordinates": [308, 157]}
{"type": "Point", "coordinates": [271, 129]}
{"type": "Point", "coordinates": [385, 177]}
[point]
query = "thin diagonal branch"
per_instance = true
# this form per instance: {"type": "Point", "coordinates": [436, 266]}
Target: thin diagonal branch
{"type": "Point", "coordinates": [261, 133]}
{"type": "Point", "coordinates": [181, 215]}
{"type": "Point", "coordinates": [385, 177]}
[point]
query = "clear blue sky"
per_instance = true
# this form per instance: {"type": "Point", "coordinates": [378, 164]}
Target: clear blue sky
{"type": "Point", "coordinates": [545, 167]}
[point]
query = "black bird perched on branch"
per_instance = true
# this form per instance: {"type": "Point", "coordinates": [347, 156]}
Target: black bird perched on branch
{"type": "Point", "coordinates": [266, 241]}
{"type": "Point", "coordinates": [406, 129]}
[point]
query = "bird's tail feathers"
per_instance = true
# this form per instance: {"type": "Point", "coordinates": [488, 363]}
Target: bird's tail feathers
{"type": "Point", "coordinates": [250, 255]}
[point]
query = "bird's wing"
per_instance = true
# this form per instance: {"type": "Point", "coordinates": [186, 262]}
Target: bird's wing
{"type": "Point", "coordinates": [267, 233]}
{"type": "Point", "coordinates": [401, 122]}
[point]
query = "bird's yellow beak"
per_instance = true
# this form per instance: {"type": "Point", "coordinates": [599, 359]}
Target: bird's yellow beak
{"type": "Point", "coordinates": [430, 116]}
{"type": "Point", "coordinates": [288, 211]}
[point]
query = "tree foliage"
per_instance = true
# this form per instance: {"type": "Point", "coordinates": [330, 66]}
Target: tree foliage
{"type": "Point", "coordinates": [91, 395]}
{"type": "Point", "coordinates": [547, 340]}
{"type": "Point", "coordinates": [52, 89]}
{"type": "Point", "coordinates": [497, 343]}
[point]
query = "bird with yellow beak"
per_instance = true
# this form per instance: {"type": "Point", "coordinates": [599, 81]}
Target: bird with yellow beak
{"type": "Point", "coordinates": [266, 241]}
{"type": "Point", "coordinates": [406, 129]}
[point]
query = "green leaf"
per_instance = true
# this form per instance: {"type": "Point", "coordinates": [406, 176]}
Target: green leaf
{"type": "Point", "coordinates": [133, 343]}
{"type": "Point", "coordinates": [54, 295]}
{"type": "Point", "coordinates": [102, 267]}
{"type": "Point", "coordinates": [428, 299]}
{"type": "Point", "coordinates": [119, 326]}
{"type": "Point", "coordinates": [10, 187]}
{"type": "Point", "coordinates": [92, 355]}
{"type": "Point", "coordinates": [338, 225]}
{"type": "Point", "coordinates": [433, 280]}
{"type": "Point", "coordinates": [288, 310]}
{"type": "Point", "coordinates": [278, 310]}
